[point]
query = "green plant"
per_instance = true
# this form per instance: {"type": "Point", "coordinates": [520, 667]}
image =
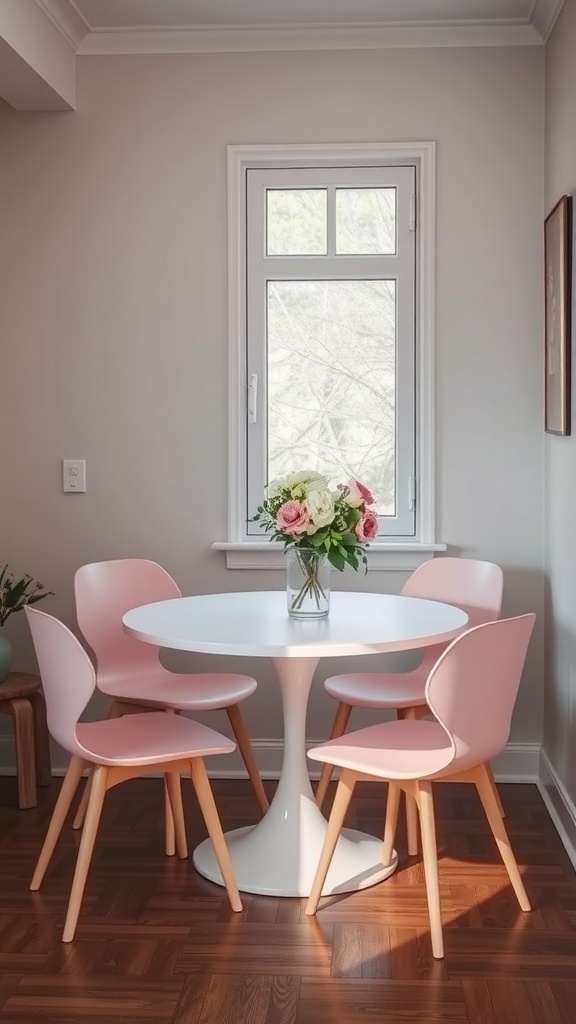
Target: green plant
{"type": "Point", "coordinates": [14, 594]}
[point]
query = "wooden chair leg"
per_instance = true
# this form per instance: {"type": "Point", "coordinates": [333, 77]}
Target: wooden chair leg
{"type": "Point", "coordinates": [97, 794]}
{"type": "Point", "coordinates": [41, 740]}
{"type": "Point", "coordinates": [81, 809]}
{"type": "Point", "coordinates": [484, 785]}
{"type": "Point", "coordinates": [116, 710]}
{"type": "Point", "coordinates": [245, 748]}
{"type": "Point", "coordinates": [339, 724]}
{"type": "Point", "coordinates": [174, 790]}
{"type": "Point", "coordinates": [205, 796]}
{"type": "Point", "coordinates": [21, 711]}
{"type": "Point", "coordinates": [65, 797]}
{"type": "Point", "coordinates": [430, 856]}
{"type": "Point", "coordinates": [495, 791]}
{"type": "Point", "coordinates": [169, 828]}
{"type": "Point", "coordinates": [411, 808]}
{"type": "Point", "coordinates": [339, 807]}
{"type": "Point", "coordinates": [411, 827]}
{"type": "Point", "coordinates": [392, 806]}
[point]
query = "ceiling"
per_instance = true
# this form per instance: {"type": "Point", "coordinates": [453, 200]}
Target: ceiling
{"type": "Point", "coordinates": [101, 26]}
{"type": "Point", "coordinates": [169, 13]}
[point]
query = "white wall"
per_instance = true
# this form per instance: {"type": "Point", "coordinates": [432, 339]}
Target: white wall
{"type": "Point", "coordinates": [560, 479]}
{"type": "Point", "coordinates": [114, 322]}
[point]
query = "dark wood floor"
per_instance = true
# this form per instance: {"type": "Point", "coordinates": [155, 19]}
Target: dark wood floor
{"type": "Point", "coordinates": [158, 943]}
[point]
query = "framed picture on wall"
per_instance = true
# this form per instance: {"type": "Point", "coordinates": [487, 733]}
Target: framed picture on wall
{"type": "Point", "coordinates": [557, 250]}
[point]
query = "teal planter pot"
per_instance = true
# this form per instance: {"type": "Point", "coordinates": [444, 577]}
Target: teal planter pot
{"type": "Point", "coordinates": [5, 655]}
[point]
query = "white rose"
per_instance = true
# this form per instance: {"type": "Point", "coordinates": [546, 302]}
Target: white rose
{"type": "Point", "coordinates": [320, 506]}
{"type": "Point", "coordinates": [305, 481]}
{"type": "Point", "coordinates": [275, 486]}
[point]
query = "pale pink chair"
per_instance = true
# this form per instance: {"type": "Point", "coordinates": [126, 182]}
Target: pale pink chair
{"type": "Point", "coordinates": [118, 749]}
{"type": "Point", "coordinates": [471, 691]}
{"type": "Point", "coordinates": [130, 671]}
{"type": "Point", "coordinates": [470, 584]}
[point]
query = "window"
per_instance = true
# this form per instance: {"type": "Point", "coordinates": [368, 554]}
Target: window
{"type": "Point", "coordinates": [330, 331]}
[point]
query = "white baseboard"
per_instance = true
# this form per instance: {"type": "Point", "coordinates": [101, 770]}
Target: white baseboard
{"type": "Point", "coordinates": [559, 805]}
{"type": "Point", "coordinates": [519, 762]}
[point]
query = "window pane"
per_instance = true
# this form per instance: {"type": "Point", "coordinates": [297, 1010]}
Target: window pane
{"type": "Point", "coordinates": [296, 222]}
{"type": "Point", "coordinates": [365, 221]}
{"type": "Point", "coordinates": [331, 382]}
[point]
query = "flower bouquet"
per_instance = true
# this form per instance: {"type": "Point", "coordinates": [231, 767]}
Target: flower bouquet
{"type": "Point", "coordinates": [319, 526]}
{"type": "Point", "coordinates": [14, 594]}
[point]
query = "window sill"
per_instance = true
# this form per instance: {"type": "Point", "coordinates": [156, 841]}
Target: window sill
{"type": "Point", "coordinates": [399, 557]}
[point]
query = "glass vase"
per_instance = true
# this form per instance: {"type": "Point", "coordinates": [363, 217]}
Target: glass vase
{"type": "Point", "coordinates": [307, 583]}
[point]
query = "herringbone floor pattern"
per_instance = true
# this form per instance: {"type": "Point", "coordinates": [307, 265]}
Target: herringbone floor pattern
{"type": "Point", "coordinates": [157, 943]}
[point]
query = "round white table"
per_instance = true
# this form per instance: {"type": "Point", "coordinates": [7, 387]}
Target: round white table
{"type": "Point", "coordinates": [279, 855]}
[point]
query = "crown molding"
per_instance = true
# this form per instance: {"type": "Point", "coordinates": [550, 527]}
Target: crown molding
{"type": "Point", "coordinates": [544, 15]}
{"type": "Point", "coordinates": [74, 28]}
{"type": "Point", "coordinates": [67, 19]}
{"type": "Point", "coordinates": [223, 39]}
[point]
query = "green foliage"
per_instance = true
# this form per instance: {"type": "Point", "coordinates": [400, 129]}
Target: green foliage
{"type": "Point", "coordinates": [14, 594]}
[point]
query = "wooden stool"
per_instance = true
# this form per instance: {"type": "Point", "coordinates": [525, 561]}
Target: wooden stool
{"type": "Point", "coordinates": [21, 697]}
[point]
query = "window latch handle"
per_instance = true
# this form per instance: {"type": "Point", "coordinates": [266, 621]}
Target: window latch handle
{"type": "Point", "coordinates": [253, 398]}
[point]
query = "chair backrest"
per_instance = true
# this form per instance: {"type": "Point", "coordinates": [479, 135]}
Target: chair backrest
{"type": "Point", "coordinates": [68, 676]}
{"type": "Point", "coordinates": [473, 687]}
{"type": "Point", "coordinates": [468, 583]}
{"type": "Point", "coordinates": [104, 592]}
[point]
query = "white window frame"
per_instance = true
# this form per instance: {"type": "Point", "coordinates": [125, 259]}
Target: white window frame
{"type": "Point", "coordinates": [399, 266]}
{"type": "Point", "coordinates": [250, 553]}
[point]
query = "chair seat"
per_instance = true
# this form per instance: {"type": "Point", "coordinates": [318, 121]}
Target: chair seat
{"type": "Point", "coordinates": [392, 750]}
{"type": "Point", "coordinates": [379, 689]}
{"type": "Point", "coordinates": [149, 738]}
{"type": "Point", "coordinates": [193, 691]}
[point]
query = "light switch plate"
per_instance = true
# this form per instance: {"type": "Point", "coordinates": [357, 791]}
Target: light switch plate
{"type": "Point", "coordinates": [74, 476]}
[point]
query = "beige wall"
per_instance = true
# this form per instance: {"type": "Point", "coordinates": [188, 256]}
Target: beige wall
{"type": "Point", "coordinates": [113, 297]}
{"type": "Point", "coordinates": [37, 63]}
{"type": "Point", "coordinates": [560, 690]}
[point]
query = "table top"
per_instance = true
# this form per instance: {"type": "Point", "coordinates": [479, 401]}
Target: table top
{"type": "Point", "coordinates": [257, 624]}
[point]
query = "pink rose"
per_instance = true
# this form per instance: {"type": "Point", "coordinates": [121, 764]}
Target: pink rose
{"type": "Point", "coordinates": [358, 494]}
{"type": "Point", "coordinates": [292, 517]}
{"type": "Point", "coordinates": [367, 527]}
